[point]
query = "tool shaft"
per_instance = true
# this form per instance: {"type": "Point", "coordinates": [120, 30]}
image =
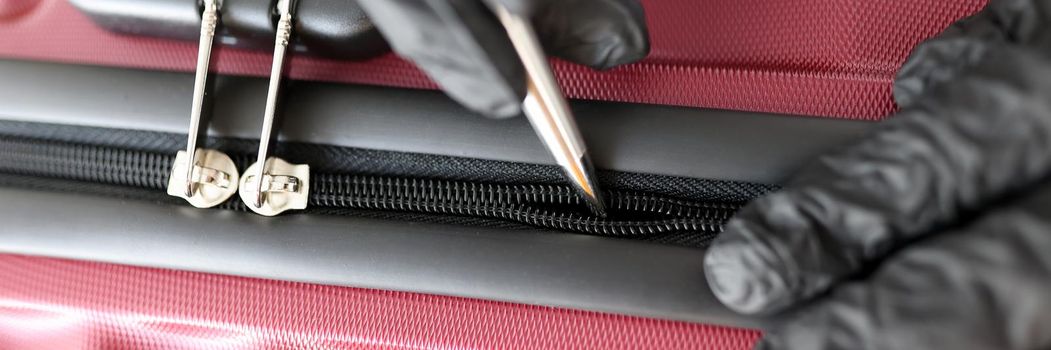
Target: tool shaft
{"type": "Point", "coordinates": [284, 34]}
{"type": "Point", "coordinates": [209, 20]}
{"type": "Point", "coordinates": [547, 109]}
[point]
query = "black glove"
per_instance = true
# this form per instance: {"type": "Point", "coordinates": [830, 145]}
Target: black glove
{"type": "Point", "coordinates": [934, 232]}
{"type": "Point", "coordinates": [462, 46]}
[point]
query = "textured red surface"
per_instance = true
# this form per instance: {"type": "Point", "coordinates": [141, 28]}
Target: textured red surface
{"type": "Point", "coordinates": [61, 304]}
{"type": "Point", "coordinates": [809, 57]}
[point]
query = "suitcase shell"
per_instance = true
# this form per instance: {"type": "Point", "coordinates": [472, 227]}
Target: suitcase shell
{"type": "Point", "coordinates": [117, 274]}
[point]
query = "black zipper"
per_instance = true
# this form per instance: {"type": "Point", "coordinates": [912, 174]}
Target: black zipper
{"type": "Point", "coordinates": [632, 214]}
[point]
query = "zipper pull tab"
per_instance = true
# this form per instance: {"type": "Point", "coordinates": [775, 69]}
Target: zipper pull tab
{"type": "Point", "coordinates": [272, 185]}
{"type": "Point", "coordinates": [203, 177]}
{"type": "Point", "coordinates": [284, 186]}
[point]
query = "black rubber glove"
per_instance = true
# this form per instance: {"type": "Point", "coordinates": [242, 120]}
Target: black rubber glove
{"type": "Point", "coordinates": [462, 46]}
{"type": "Point", "coordinates": [934, 232]}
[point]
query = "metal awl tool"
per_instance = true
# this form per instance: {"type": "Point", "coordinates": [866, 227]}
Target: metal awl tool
{"type": "Point", "coordinates": [547, 109]}
{"type": "Point", "coordinates": [204, 177]}
{"type": "Point", "coordinates": [271, 185]}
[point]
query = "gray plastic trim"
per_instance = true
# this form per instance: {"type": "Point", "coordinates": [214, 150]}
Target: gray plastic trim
{"type": "Point", "coordinates": [574, 271]}
{"type": "Point", "coordinates": [546, 269]}
{"type": "Point", "coordinates": [689, 142]}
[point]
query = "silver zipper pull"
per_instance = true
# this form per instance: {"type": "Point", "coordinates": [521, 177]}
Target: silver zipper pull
{"type": "Point", "coordinates": [272, 185]}
{"type": "Point", "coordinates": [203, 177]}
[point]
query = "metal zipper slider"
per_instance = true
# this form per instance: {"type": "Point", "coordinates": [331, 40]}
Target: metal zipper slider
{"type": "Point", "coordinates": [203, 177]}
{"type": "Point", "coordinates": [272, 185]}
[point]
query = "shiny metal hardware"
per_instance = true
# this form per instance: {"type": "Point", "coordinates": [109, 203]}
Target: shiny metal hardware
{"type": "Point", "coordinates": [284, 186]}
{"type": "Point", "coordinates": [213, 176]}
{"type": "Point", "coordinates": [203, 177]}
{"type": "Point", "coordinates": [547, 109]}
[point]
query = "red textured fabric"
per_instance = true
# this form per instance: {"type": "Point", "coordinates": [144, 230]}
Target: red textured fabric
{"type": "Point", "coordinates": [808, 57]}
{"type": "Point", "coordinates": [62, 304]}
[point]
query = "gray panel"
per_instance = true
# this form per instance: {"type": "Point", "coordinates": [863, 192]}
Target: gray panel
{"type": "Point", "coordinates": [700, 143]}
{"type": "Point", "coordinates": [548, 269]}
{"type": "Point", "coordinates": [534, 268]}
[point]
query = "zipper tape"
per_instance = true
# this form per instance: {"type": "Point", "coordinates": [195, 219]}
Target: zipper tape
{"type": "Point", "coordinates": [545, 206]}
{"type": "Point", "coordinates": [633, 213]}
{"type": "Point", "coordinates": [338, 159]}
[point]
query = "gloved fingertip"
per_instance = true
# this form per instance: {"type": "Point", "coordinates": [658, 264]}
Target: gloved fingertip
{"type": "Point", "coordinates": [765, 343]}
{"type": "Point", "coordinates": [606, 50]}
{"type": "Point", "coordinates": [743, 273]}
{"type": "Point", "coordinates": [495, 108]}
{"type": "Point", "coordinates": [622, 53]}
{"type": "Point", "coordinates": [505, 110]}
{"type": "Point", "coordinates": [490, 95]}
{"type": "Point", "coordinates": [598, 34]}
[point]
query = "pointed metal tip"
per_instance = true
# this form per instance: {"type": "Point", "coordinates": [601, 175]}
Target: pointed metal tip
{"type": "Point", "coordinates": [586, 182]}
{"type": "Point", "coordinates": [259, 198]}
{"type": "Point", "coordinates": [548, 111]}
{"type": "Point", "coordinates": [595, 201]}
{"type": "Point", "coordinates": [191, 163]}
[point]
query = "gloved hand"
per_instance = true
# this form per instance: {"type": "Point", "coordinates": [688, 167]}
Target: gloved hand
{"type": "Point", "coordinates": [934, 232]}
{"type": "Point", "coordinates": [463, 47]}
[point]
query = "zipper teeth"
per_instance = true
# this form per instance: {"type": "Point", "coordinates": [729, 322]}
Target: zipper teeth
{"type": "Point", "coordinates": [521, 203]}
{"type": "Point", "coordinates": [546, 206]}
{"type": "Point", "coordinates": [346, 190]}
{"type": "Point", "coordinates": [85, 163]}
